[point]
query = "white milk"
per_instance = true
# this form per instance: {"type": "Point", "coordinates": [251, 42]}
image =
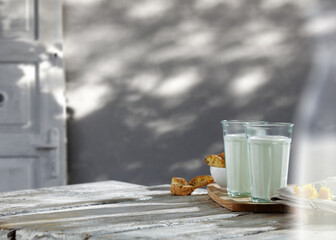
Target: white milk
{"type": "Point", "coordinates": [269, 157]}
{"type": "Point", "coordinates": [238, 174]}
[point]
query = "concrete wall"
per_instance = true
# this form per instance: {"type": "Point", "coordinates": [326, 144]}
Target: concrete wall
{"type": "Point", "coordinates": [148, 81]}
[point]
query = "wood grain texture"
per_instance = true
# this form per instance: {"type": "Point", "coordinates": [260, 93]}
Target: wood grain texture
{"type": "Point", "coordinates": [117, 210]}
{"type": "Point", "coordinates": [242, 204]}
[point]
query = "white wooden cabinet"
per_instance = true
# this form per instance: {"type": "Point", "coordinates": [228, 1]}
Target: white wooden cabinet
{"type": "Point", "coordinates": [32, 105]}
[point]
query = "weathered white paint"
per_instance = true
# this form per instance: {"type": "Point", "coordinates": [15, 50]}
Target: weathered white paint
{"type": "Point", "coordinates": [117, 210]}
{"type": "Point", "coordinates": [32, 107]}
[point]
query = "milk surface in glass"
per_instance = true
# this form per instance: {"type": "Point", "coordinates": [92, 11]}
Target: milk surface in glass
{"type": "Point", "coordinates": [269, 157]}
{"type": "Point", "coordinates": [238, 174]}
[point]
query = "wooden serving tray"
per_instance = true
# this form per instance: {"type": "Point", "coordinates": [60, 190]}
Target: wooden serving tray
{"type": "Point", "coordinates": [243, 204]}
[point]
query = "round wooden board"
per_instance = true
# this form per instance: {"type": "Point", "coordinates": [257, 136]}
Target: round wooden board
{"type": "Point", "coordinates": [242, 204]}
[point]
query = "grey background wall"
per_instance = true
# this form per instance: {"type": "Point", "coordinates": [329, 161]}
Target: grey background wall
{"type": "Point", "coordinates": [148, 81]}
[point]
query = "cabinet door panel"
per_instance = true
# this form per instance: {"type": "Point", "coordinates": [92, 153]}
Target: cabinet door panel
{"type": "Point", "coordinates": [32, 105]}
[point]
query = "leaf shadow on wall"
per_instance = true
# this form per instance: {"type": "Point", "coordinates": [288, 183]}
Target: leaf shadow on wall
{"type": "Point", "coordinates": [148, 82]}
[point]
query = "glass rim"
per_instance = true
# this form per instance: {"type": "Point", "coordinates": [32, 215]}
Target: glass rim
{"type": "Point", "coordinates": [270, 124]}
{"type": "Point", "coordinates": [242, 121]}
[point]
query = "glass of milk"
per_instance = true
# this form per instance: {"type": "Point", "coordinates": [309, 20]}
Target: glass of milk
{"type": "Point", "coordinates": [268, 147]}
{"type": "Point", "coordinates": [236, 161]}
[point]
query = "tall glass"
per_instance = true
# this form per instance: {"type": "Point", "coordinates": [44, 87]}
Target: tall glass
{"type": "Point", "coordinates": [268, 153]}
{"type": "Point", "coordinates": [238, 174]}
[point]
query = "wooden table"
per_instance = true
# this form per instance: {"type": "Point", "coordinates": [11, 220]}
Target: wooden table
{"type": "Point", "coordinates": [118, 210]}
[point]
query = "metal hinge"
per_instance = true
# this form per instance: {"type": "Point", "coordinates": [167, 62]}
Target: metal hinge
{"type": "Point", "coordinates": [51, 145]}
{"type": "Point", "coordinates": [45, 146]}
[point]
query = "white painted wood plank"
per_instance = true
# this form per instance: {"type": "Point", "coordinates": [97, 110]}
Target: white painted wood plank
{"type": "Point", "coordinates": [26, 234]}
{"type": "Point", "coordinates": [307, 232]}
{"type": "Point", "coordinates": [68, 196]}
{"type": "Point", "coordinates": [5, 234]}
{"type": "Point", "coordinates": [209, 227]}
{"type": "Point", "coordinates": [158, 208]}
